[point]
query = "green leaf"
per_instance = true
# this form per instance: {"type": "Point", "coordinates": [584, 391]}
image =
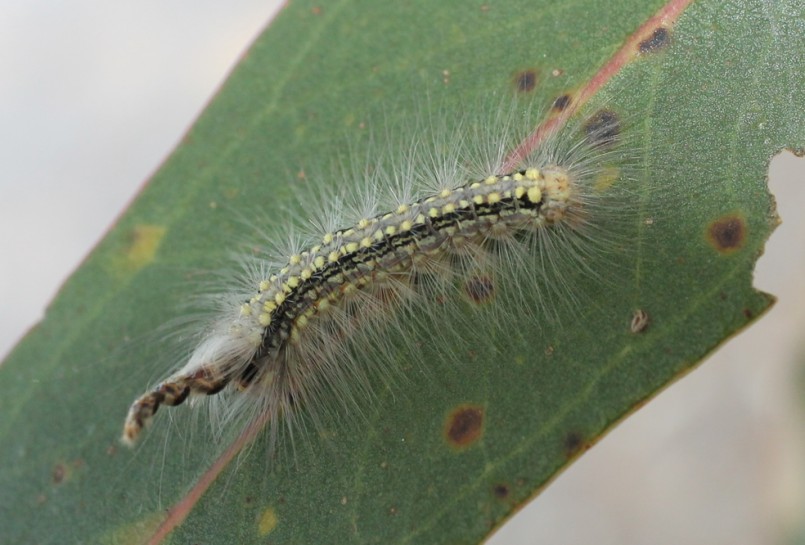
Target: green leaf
{"type": "Point", "coordinates": [710, 102]}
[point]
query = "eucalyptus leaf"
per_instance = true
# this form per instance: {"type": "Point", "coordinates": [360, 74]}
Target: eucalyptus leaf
{"type": "Point", "coordinates": [711, 97]}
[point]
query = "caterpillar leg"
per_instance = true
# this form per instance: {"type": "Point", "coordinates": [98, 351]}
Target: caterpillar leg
{"type": "Point", "coordinates": [172, 392]}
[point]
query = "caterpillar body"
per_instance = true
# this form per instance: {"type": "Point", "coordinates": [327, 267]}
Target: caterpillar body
{"type": "Point", "coordinates": [445, 230]}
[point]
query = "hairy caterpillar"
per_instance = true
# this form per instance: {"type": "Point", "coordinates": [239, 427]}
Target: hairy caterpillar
{"type": "Point", "coordinates": [469, 221]}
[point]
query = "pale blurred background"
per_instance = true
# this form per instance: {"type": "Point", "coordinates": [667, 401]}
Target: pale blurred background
{"type": "Point", "coordinates": [93, 95]}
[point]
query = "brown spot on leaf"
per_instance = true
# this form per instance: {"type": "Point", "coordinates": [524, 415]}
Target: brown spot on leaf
{"type": "Point", "coordinates": [526, 81]}
{"type": "Point", "coordinates": [603, 129]}
{"type": "Point", "coordinates": [464, 425]}
{"type": "Point", "coordinates": [573, 443]}
{"type": "Point", "coordinates": [727, 234]}
{"type": "Point", "coordinates": [659, 39]}
{"type": "Point", "coordinates": [480, 289]}
{"type": "Point", "coordinates": [748, 314]}
{"type": "Point", "coordinates": [59, 473]}
{"type": "Point", "coordinates": [561, 102]}
{"type": "Point", "coordinates": [501, 491]}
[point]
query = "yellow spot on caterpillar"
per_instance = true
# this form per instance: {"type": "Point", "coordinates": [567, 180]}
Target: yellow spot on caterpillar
{"type": "Point", "coordinates": [328, 238]}
{"type": "Point", "coordinates": [493, 197]}
{"type": "Point", "coordinates": [279, 298]}
{"type": "Point", "coordinates": [391, 230]}
{"type": "Point", "coordinates": [348, 289]}
{"type": "Point", "coordinates": [295, 259]}
{"type": "Point", "coordinates": [293, 282]}
{"type": "Point", "coordinates": [445, 193]}
{"type": "Point", "coordinates": [406, 225]}
{"type": "Point", "coordinates": [268, 521]}
{"type": "Point", "coordinates": [333, 257]}
{"type": "Point", "coordinates": [492, 180]}
{"type": "Point", "coordinates": [534, 194]}
{"type": "Point", "coordinates": [264, 285]}
{"type": "Point", "coordinates": [478, 199]}
{"type": "Point", "coordinates": [264, 319]}
{"type": "Point", "coordinates": [433, 213]}
{"type": "Point", "coordinates": [269, 306]}
{"type": "Point", "coordinates": [402, 209]}
{"type": "Point", "coordinates": [245, 309]}
{"type": "Point", "coordinates": [366, 242]}
{"type": "Point", "coordinates": [319, 262]}
{"type": "Point", "coordinates": [448, 209]}
{"type": "Point", "coordinates": [532, 174]}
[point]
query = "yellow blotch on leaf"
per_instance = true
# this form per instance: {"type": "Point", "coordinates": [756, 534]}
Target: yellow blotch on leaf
{"type": "Point", "coordinates": [133, 533]}
{"type": "Point", "coordinates": [606, 178]}
{"type": "Point", "coordinates": [267, 522]}
{"type": "Point", "coordinates": [142, 247]}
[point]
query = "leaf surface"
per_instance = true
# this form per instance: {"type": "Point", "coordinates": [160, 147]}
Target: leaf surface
{"type": "Point", "coordinates": [711, 99]}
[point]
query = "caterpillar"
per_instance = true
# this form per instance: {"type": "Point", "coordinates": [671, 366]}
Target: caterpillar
{"type": "Point", "coordinates": [448, 225]}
